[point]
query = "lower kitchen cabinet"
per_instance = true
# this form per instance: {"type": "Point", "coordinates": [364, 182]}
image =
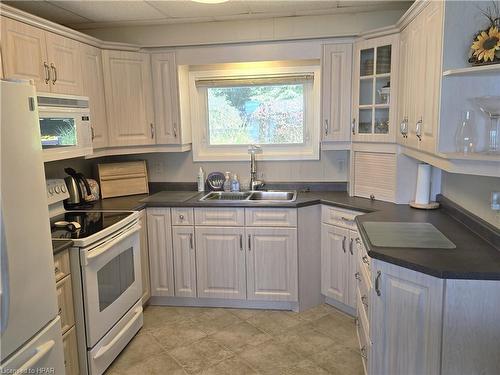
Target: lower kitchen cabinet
{"type": "Point", "coordinates": [184, 261]}
{"type": "Point", "coordinates": [70, 352]}
{"type": "Point", "coordinates": [160, 252]}
{"type": "Point", "coordinates": [272, 264]}
{"type": "Point", "coordinates": [146, 284]}
{"type": "Point", "coordinates": [338, 264]}
{"type": "Point", "coordinates": [406, 321]}
{"type": "Point", "coordinates": [220, 262]}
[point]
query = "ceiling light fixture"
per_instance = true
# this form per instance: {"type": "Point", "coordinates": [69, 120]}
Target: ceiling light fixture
{"type": "Point", "coordinates": [210, 1]}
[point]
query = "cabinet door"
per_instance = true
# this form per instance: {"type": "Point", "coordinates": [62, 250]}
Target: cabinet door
{"type": "Point", "coordinates": [184, 261]}
{"type": "Point", "coordinates": [375, 89]}
{"type": "Point", "coordinates": [129, 95]}
{"type": "Point", "coordinates": [272, 264]}
{"type": "Point", "coordinates": [146, 284]}
{"type": "Point", "coordinates": [70, 348]}
{"type": "Point", "coordinates": [160, 252]}
{"type": "Point", "coordinates": [24, 53]}
{"type": "Point", "coordinates": [352, 259]}
{"type": "Point", "coordinates": [406, 321]}
{"type": "Point", "coordinates": [433, 42]}
{"type": "Point", "coordinates": [336, 85]}
{"type": "Point", "coordinates": [220, 262]}
{"type": "Point", "coordinates": [334, 262]}
{"type": "Point", "coordinates": [93, 87]}
{"type": "Point", "coordinates": [65, 65]}
{"type": "Point", "coordinates": [167, 119]}
{"type": "Point", "coordinates": [65, 303]}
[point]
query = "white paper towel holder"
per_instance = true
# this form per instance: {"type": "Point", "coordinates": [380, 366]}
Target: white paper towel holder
{"type": "Point", "coordinates": [428, 206]}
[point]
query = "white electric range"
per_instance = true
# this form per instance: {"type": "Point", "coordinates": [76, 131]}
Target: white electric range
{"type": "Point", "coordinates": [106, 276]}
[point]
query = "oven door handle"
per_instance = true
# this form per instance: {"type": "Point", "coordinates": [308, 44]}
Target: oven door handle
{"type": "Point", "coordinates": [102, 351]}
{"type": "Point", "coordinates": [99, 250]}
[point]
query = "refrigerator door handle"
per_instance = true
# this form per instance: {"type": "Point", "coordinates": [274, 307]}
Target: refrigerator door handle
{"type": "Point", "coordinates": [40, 352]}
{"type": "Point", "coordinates": [4, 280]}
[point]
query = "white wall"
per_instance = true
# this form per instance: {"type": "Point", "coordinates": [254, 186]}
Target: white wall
{"type": "Point", "coordinates": [179, 167]}
{"type": "Point", "coordinates": [472, 193]}
{"type": "Point", "coordinates": [282, 28]}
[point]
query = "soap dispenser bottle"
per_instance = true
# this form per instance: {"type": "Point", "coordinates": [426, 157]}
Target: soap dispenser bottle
{"type": "Point", "coordinates": [201, 179]}
{"type": "Point", "coordinates": [227, 182]}
{"type": "Point", "coordinates": [235, 184]}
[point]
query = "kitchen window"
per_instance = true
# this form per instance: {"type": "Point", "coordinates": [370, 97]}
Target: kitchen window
{"type": "Point", "coordinates": [276, 108]}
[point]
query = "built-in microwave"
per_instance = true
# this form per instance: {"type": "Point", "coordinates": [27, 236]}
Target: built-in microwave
{"type": "Point", "coordinates": [65, 126]}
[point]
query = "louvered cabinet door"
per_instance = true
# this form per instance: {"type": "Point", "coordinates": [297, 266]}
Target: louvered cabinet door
{"type": "Point", "coordinates": [375, 175]}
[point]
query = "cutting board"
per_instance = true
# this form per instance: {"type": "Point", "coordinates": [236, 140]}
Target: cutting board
{"type": "Point", "coordinates": [403, 234]}
{"type": "Point", "coordinates": [120, 179]}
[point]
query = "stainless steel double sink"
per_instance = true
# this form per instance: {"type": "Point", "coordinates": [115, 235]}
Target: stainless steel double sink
{"type": "Point", "coordinates": [251, 196]}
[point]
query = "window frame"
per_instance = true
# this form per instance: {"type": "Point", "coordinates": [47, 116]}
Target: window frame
{"type": "Point", "coordinates": [203, 151]}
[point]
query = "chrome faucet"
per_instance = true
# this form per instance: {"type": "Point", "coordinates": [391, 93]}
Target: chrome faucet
{"type": "Point", "coordinates": [255, 184]}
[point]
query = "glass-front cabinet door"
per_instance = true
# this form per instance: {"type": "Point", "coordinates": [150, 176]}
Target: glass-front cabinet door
{"type": "Point", "coordinates": [374, 98]}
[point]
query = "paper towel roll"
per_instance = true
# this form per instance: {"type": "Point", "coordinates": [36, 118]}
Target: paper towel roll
{"type": "Point", "coordinates": [423, 184]}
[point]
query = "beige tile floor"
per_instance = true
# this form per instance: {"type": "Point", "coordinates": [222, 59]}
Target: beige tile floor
{"type": "Point", "coordinates": [216, 341]}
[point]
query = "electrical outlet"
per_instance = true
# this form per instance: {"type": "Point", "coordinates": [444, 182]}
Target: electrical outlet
{"type": "Point", "coordinates": [495, 200]}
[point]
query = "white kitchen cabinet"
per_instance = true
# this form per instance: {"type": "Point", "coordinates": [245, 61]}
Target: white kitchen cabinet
{"type": "Point", "coordinates": [272, 264]}
{"type": "Point", "coordinates": [129, 98]}
{"type": "Point", "coordinates": [146, 284]}
{"type": "Point", "coordinates": [65, 65]}
{"type": "Point", "coordinates": [65, 303]}
{"type": "Point", "coordinates": [184, 261]}
{"type": "Point", "coordinates": [170, 106]}
{"type": "Point", "coordinates": [50, 60]}
{"type": "Point", "coordinates": [336, 65]}
{"type": "Point", "coordinates": [220, 262]}
{"type": "Point", "coordinates": [93, 87]}
{"type": "Point", "coordinates": [334, 262]}
{"type": "Point", "coordinates": [24, 53]}
{"type": "Point", "coordinates": [374, 89]}
{"type": "Point", "coordinates": [70, 347]}
{"type": "Point", "coordinates": [160, 251]}
{"type": "Point", "coordinates": [406, 321]}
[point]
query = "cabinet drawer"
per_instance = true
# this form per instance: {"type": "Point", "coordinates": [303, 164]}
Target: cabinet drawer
{"type": "Point", "coordinates": [220, 216]}
{"type": "Point", "coordinates": [65, 303]}
{"type": "Point", "coordinates": [61, 265]}
{"type": "Point", "coordinates": [271, 217]}
{"type": "Point", "coordinates": [70, 352]}
{"type": "Point", "coordinates": [182, 216]}
{"type": "Point", "coordinates": [339, 217]}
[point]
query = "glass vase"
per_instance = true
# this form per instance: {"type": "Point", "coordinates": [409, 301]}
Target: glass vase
{"type": "Point", "coordinates": [490, 105]}
{"type": "Point", "coordinates": [465, 137]}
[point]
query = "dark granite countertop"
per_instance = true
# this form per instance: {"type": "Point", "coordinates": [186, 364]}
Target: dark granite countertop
{"type": "Point", "coordinates": [60, 245]}
{"type": "Point", "coordinates": [473, 258]}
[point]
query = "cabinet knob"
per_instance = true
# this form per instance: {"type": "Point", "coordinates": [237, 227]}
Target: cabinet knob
{"type": "Point", "coordinates": [357, 276]}
{"type": "Point", "coordinates": [181, 217]}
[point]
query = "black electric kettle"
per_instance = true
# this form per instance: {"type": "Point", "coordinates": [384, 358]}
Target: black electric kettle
{"type": "Point", "coordinates": [78, 189]}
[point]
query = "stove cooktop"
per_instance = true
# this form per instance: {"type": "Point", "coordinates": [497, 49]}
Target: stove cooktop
{"type": "Point", "coordinates": [82, 224]}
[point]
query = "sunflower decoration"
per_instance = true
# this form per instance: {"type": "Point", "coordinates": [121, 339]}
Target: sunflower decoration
{"type": "Point", "coordinates": [486, 46]}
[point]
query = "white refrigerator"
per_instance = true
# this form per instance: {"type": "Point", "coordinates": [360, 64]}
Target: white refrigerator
{"type": "Point", "coordinates": [31, 339]}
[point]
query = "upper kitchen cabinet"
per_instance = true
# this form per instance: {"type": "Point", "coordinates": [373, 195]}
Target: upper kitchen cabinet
{"type": "Point", "coordinates": [336, 85]}
{"type": "Point", "coordinates": [374, 82]}
{"type": "Point", "coordinates": [170, 105]}
{"type": "Point", "coordinates": [93, 87]}
{"type": "Point", "coordinates": [129, 98]}
{"type": "Point", "coordinates": [50, 60]}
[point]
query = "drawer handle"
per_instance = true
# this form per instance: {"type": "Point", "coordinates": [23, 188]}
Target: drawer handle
{"type": "Point", "coordinates": [346, 219]}
{"type": "Point", "coordinates": [363, 352]}
{"type": "Point", "coordinates": [364, 300]}
{"type": "Point", "coordinates": [350, 246]}
{"type": "Point", "coordinates": [365, 259]}
{"type": "Point", "coordinates": [357, 276]}
{"type": "Point", "coordinates": [343, 244]}
{"type": "Point", "coordinates": [377, 283]}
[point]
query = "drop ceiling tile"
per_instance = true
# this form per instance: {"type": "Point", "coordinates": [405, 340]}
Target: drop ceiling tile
{"type": "Point", "coordinates": [111, 11]}
{"type": "Point", "coordinates": [191, 9]}
{"type": "Point", "coordinates": [48, 11]}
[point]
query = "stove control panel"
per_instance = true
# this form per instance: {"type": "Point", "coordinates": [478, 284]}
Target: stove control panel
{"type": "Point", "coordinates": [56, 191]}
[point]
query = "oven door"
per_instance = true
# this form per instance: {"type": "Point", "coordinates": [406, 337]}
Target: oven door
{"type": "Point", "coordinates": [111, 277]}
{"type": "Point", "coordinates": [65, 133]}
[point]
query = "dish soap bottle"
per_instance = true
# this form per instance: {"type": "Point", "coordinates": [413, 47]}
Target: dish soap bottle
{"type": "Point", "coordinates": [201, 179]}
{"type": "Point", "coordinates": [235, 184]}
{"type": "Point", "coordinates": [227, 182]}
